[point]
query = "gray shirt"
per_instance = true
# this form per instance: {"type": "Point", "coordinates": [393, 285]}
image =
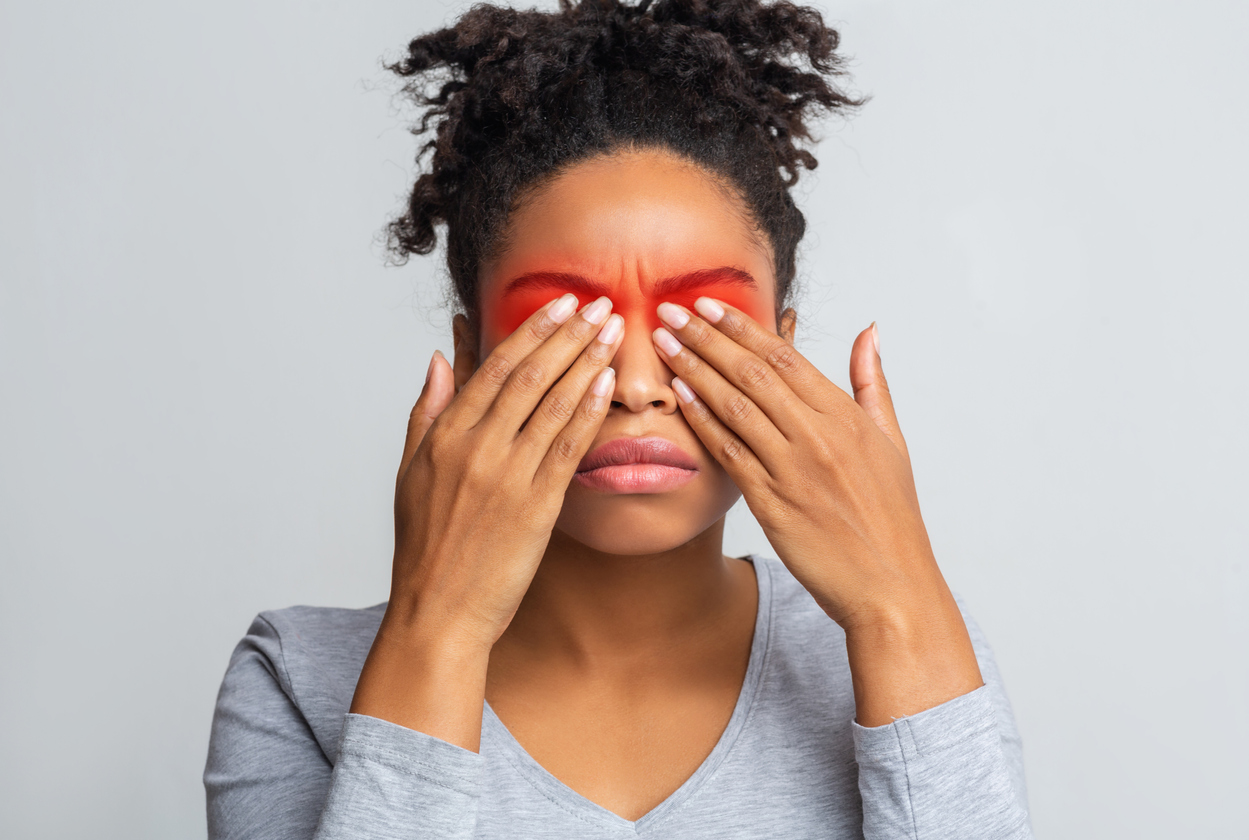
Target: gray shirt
{"type": "Point", "coordinates": [286, 759]}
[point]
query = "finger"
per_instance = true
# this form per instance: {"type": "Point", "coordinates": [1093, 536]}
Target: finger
{"type": "Point", "coordinates": [735, 409]}
{"type": "Point", "coordinates": [533, 376]}
{"type": "Point", "coordinates": [744, 369]}
{"type": "Point", "coordinates": [803, 378]}
{"type": "Point", "coordinates": [732, 453]}
{"type": "Point", "coordinates": [871, 391]}
{"type": "Point", "coordinates": [479, 392]}
{"type": "Point", "coordinates": [573, 440]}
{"type": "Point", "coordinates": [435, 396]}
{"type": "Point", "coordinates": [560, 403]}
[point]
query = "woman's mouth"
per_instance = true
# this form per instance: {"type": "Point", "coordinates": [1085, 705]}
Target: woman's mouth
{"type": "Point", "coordinates": [636, 465]}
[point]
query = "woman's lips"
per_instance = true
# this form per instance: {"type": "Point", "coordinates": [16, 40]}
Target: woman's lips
{"type": "Point", "coordinates": [636, 465]}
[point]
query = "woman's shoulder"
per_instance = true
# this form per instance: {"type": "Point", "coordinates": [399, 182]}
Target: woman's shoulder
{"type": "Point", "coordinates": [305, 659]}
{"type": "Point", "coordinates": [331, 641]}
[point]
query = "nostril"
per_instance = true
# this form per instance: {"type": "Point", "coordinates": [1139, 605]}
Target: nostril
{"type": "Point", "coordinates": [617, 404]}
{"type": "Point", "coordinates": [657, 403]}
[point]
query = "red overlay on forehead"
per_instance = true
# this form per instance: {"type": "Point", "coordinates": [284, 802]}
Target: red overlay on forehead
{"type": "Point", "coordinates": [527, 294]}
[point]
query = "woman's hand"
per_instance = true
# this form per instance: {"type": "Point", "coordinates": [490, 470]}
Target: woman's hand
{"type": "Point", "coordinates": [480, 486]}
{"type": "Point", "coordinates": [829, 479]}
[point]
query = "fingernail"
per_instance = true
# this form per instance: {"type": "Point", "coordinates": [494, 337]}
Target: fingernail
{"type": "Point", "coordinates": [596, 312]}
{"type": "Point", "coordinates": [709, 309]}
{"type": "Point", "coordinates": [603, 382]}
{"type": "Point", "coordinates": [562, 309]}
{"type": "Point", "coordinates": [429, 371]}
{"type": "Point", "coordinates": [683, 391]}
{"type": "Point", "coordinates": [673, 315]}
{"type": "Point", "coordinates": [876, 339]}
{"type": "Point", "coordinates": [611, 330]}
{"type": "Point", "coordinates": [667, 342]}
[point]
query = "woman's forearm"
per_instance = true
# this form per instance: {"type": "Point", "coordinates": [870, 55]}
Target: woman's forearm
{"type": "Point", "coordinates": [420, 678]}
{"type": "Point", "coordinates": [908, 659]}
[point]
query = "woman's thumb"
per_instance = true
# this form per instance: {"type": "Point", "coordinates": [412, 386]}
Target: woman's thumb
{"type": "Point", "coordinates": [871, 390]}
{"type": "Point", "coordinates": [435, 396]}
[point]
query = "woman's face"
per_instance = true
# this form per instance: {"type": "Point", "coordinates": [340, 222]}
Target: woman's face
{"type": "Point", "coordinates": [640, 227]}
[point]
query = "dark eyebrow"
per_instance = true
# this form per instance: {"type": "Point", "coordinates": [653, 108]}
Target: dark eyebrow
{"type": "Point", "coordinates": [667, 286]}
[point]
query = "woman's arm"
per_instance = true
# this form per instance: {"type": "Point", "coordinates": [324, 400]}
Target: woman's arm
{"type": "Point", "coordinates": [953, 771]}
{"type": "Point", "coordinates": [828, 477]}
{"type": "Point", "coordinates": [268, 777]}
{"type": "Point", "coordinates": [480, 485]}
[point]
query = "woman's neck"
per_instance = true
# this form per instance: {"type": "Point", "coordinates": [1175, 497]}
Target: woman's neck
{"type": "Point", "coordinates": [588, 609]}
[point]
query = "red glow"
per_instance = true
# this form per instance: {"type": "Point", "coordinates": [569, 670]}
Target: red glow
{"type": "Point", "coordinates": [525, 295]}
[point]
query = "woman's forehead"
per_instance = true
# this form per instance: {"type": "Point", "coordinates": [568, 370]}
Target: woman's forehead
{"type": "Point", "coordinates": [638, 218]}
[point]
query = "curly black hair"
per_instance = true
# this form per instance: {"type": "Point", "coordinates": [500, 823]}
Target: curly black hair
{"type": "Point", "coordinates": [515, 96]}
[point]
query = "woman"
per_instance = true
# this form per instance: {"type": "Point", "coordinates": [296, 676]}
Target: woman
{"type": "Point", "coordinates": [566, 651]}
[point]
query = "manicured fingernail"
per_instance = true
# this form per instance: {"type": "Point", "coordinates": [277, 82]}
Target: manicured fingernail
{"type": "Point", "coordinates": [876, 339]}
{"type": "Point", "coordinates": [429, 371]}
{"type": "Point", "coordinates": [562, 309]}
{"type": "Point", "coordinates": [683, 391]}
{"type": "Point", "coordinates": [667, 342]}
{"type": "Point", "coordinates": [596, 313]}
{"type": "Point", "coordinates": [611, 330]}
{"type": "Point", "coordinates": [603, 382]}
{"type": "Point", "coordinates": [673, 315]}
{"type": "Point", "coordinates": [709, 309]}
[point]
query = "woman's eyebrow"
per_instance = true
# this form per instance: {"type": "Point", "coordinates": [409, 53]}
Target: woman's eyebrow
{"type": "Point", "coordinates": [724, 275]}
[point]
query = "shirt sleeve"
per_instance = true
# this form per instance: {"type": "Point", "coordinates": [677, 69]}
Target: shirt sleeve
{"type": "Point", "coordinates": [954, 771]}
{"type": "Point", "coordinates": [268, 777]}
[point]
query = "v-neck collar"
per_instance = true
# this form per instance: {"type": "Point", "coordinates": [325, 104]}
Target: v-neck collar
{"type": "Point", "coordinates": [568, 799]}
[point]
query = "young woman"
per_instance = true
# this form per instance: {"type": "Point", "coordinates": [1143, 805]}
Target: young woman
{"type": "Point", "coordinates": [566, 651]}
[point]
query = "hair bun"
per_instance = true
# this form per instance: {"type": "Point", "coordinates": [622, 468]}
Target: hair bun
{"type": "Point", "coordinates": [513, 95]}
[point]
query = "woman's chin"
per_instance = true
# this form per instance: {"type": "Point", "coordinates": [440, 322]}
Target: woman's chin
{"type": "Point", "coordinates": [640, 524]}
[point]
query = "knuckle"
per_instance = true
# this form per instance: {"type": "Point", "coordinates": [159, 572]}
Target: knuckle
{"type": "Point", "coordinates": [754, 374]}
{"type": "Point", "coordinates": [435, 438]}
{"type": "Point", "coordinates": [495, 370]}
{"type": "Point", "coordinates": [822, 452]}
{"type": "Point", "coordinates": [691, 365]}
{"type": "Point", "coordinates": [733, 326]}
{"type": "Point", "coordinates": [699, 412]}
{"type": "Point", "coordinates": [529, 377]}
{"type": "Point", "coordinates": [736, 408]}
{"type": "Point", "coordinates": [565, 448]}
{"type": "Point", "coordinates": [783, 358]}
{"type": "Point", "coordinates": [539, 329]}
{"type": "Point", "coordinates": [478, 473]}
{"type": "Point", "coordinates": [559, 408]}
{"type": "Point", "coordinates": [696, 333]}
{"type": "Point", "coordinates": [579, 330]}
{"type": "Point", "coordinates": [597, 353]}
{"type": "Point", "coordinates": [733, 450]}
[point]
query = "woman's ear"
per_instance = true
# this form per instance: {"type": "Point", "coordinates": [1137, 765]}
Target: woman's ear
{"type": "Point", "coordinates": [789, 324]}
{"type": "Point", "coordinates": [465, 338]}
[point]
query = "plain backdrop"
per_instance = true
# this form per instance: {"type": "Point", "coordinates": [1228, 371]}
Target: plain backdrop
{"type": "Point", "coordinates": [206, 369]}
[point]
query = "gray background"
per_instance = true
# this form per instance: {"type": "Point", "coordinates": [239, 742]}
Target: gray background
{"type": "Point", "coordinates": [206, 370]}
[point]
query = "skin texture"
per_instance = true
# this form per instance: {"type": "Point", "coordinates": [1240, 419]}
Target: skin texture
{"type": "Point", "coordinates": [608, 631]}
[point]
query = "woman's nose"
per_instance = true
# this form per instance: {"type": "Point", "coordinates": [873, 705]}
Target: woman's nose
{"type": "Point", "coordinates": [643, 381]}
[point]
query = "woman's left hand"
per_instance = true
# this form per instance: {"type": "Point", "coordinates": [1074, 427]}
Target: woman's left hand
{"type": "Point", "coordinates": [828, 477]}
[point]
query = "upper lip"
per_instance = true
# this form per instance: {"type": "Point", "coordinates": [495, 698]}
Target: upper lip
{"type": "Point", "coordinates": [637, 450]}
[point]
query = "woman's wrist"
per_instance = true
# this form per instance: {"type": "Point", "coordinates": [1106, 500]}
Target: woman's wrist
{"type": "Point", "coordinates": [909, 658]}
{"type": "Point", "coordinates": [427, 679]}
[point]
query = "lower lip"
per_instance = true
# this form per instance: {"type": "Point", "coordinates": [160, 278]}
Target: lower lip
{"type": "Point", "coordinates": [635, 478]}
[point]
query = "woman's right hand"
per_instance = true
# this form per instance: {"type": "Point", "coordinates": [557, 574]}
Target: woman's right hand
{"type": "Point", "coordinates": [480, 486]}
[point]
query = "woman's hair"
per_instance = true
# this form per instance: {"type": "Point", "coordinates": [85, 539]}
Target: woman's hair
{"type": "Point", "coordinates": [514, 97]}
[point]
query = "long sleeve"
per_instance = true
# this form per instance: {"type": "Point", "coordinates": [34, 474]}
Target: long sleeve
{"type": "Point", "coordinates": [268, 776]}
{"type": "Point", "coordinates": [954, 771]}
